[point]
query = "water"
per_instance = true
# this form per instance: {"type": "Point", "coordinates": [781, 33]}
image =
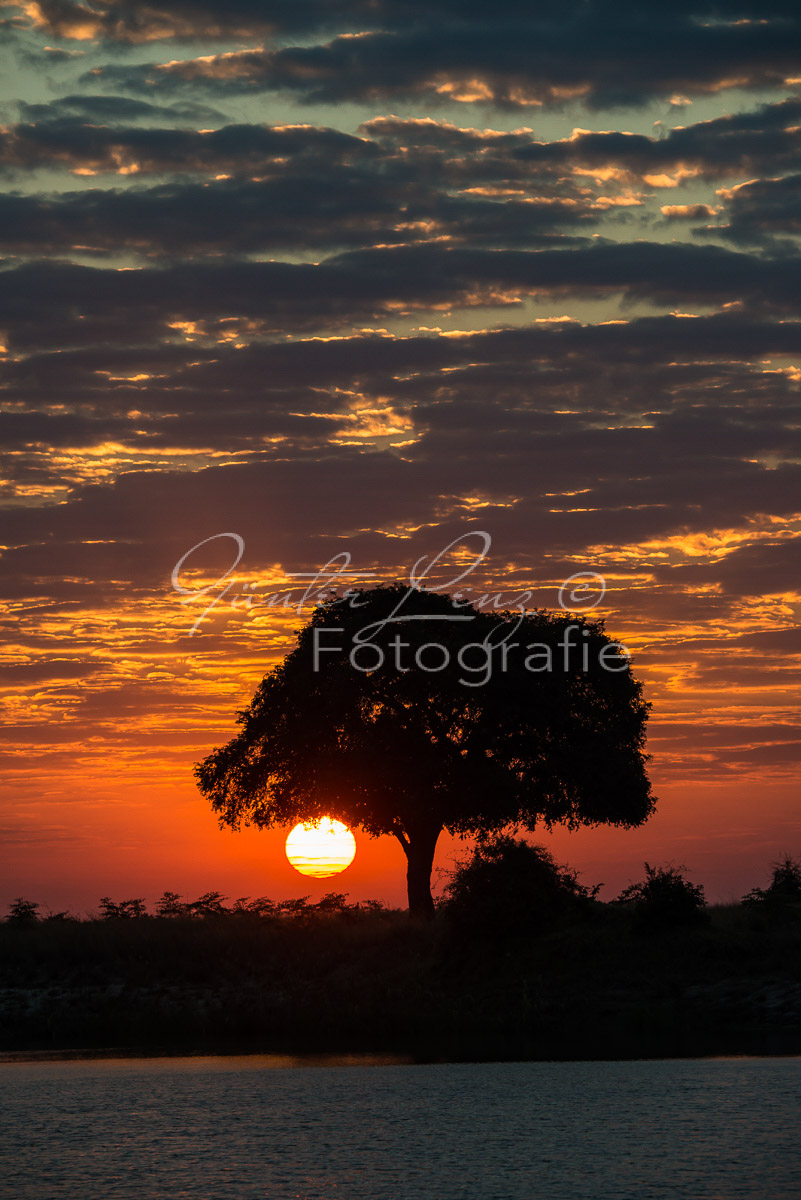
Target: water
{"type": "Point", "coordinates": [254, 1128]}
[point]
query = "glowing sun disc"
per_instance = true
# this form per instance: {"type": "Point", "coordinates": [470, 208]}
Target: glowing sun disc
{"type": "Point", "coordinates": [321, 848]}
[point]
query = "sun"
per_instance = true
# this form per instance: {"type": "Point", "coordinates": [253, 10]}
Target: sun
{"type": "Point", "coordinates": [321, 848]}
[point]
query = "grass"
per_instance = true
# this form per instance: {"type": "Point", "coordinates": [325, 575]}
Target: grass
{"type": "Point", "coordinates": [598, 986]}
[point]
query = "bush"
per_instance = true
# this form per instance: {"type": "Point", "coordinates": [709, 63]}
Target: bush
{"type": "Point", "coordinates": [509, 886]}
{"type": "Point", "coordinates": [784, 890]}
{"type": "Point", "coordinates": [23, 910]}
{"type": "Point", "coordinates": [665, 899]}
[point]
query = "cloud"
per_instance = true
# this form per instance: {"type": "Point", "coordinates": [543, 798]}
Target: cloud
{"type": "Point", "coordinates": [606, 56]}
{"type": "Point", "coordinates": [83, 142]}
{"type": "Point", "coordinates": [92, 134]}
{"type": "Point", "coordinates": [376, 336]}
{"type": "Point", "coordinates": [16, 674]}
{"type": "Point", "coordinates": [110, 110]}
{"type": "Point", "coordinates": [769, 566]}
{"type": "Point", "coordinates": [128, 22]}
{"type": "Point", "coordinates": [764, 212]}
{"type": "Point", "coordinates": [61, 305]}
{"type": "Point", "coordinates": [282, 213]}
{"type": "Point", "coordinates": [688, 212]}
{"type": "Point", "coordinates": [482, 416]}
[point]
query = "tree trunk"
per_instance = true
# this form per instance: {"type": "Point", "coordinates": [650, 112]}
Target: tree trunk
{"type": "Point", "coordinates": [419, 849]}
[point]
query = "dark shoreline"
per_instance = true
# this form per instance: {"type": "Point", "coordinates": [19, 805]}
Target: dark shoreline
{"type": "Point", "coordinates": [280, 1060]}
{"type": "Point", "coordinates": [700, 1034]}
{"type": "Point", "coordinates": [381, 985]}
{"type": "Point", "coordinates": [135, 1054]}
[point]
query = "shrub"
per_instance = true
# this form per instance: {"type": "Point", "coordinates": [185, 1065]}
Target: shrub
{"type": "Point", "coordinates": [510, 886]}
{"type": "Point", "coordinates": [784, 889]}
{"type": "Point", "coordinates": [665, 899]}
{"type": "Point", "coordinates": [23, 910]}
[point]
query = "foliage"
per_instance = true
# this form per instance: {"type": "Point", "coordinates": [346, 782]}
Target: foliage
{"type": "Point", "coordinates": [508, 886]}
{"type": "Point", "coordinates": [209, 905]}
{"type": "Point", "coordinates": [665, 899]}
{"type": "Point", "coordinates": [262, 906]}
{"type": "Point", "coordinates": [413, 751]}
{"type": "Point", "coordinates": [784, 889]}
{"type": "Point", "coordinates": [170, 905]}
{"type": "Point", "coordinates": [122, 909]}
{"type": "Point", "coordinates": [23, 910]}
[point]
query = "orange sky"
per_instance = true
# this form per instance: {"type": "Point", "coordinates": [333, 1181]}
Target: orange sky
{"type": "Point", "coordinates": [100, 798]}
{"type": "Point", "coordinates": [354, 283]}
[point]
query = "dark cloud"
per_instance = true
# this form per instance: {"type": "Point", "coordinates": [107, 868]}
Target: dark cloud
{"type": "Point", "coordinates": [605, 53]}
{"type": "Point", "coordinates": [125, 20]}
{"type": "Point", "coordinates": [56, 137]}
{"type": "Point", "coordinates": [64, 304]}
{"type": "Point", "coordinates": [462, 395]}
{"type": "Point", "coordinates": [283, 213]}
{"type": "Point", "coordinates": [111, 110]}
{"type": "Point", "coordinates": [91, 134]}
{"type": "Point", "coordinates": [551, 479]}
{"type": "Point", "coordinates": [769, 566]}
{"type": "Point", "coordinates": [763, 212]}
{"type": "Point", "coordinates": [606, 57]}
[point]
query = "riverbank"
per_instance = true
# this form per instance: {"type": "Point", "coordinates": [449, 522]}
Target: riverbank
{"type": "Point", "coordinates": [377, 982]}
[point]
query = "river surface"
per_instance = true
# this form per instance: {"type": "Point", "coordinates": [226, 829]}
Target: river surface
{"type": "Point", "coordinates": [250, 1128]}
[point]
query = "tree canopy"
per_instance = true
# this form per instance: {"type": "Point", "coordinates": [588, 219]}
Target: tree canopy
{"type": "Point", "coordinates": [453, 718]}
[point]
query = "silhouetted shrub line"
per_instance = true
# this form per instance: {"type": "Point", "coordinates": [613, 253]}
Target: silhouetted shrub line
{"type": "Point", "coordinates": [523, 961]}
{"type": "Point", "coordinates": [506, 883]}
{"type": "Point", "coordinates": [210, 904]}
{"type": "Point", "coordinates": [589, 987]}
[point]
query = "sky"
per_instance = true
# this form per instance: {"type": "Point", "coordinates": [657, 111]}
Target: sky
{"type": "Point", "coordinates": [356, 280]}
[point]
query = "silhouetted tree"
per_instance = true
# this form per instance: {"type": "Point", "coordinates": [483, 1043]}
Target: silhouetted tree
{"type": "Point", "coordinates": [262, 906]}
{"type": "Point", "coordinates": [665, 899]}
{"type": "Point", "coordinates": [485, 740]}
{"type": "Point", "coordinates": [23, 910]}
{"type": "Point", "coordinates": [208, 905]}
{"type": "Point", "coordinates": [171, 905]}
{"type": "Point", "coordinates": [294, 908]}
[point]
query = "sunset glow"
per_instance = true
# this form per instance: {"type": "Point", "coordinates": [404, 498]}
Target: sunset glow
{"type": "Point", "coordinates": [322, 285]}
{"type": "Point", "coordinates": [400, 452]}
{"type": "Point", "coordinates": [321, 849]}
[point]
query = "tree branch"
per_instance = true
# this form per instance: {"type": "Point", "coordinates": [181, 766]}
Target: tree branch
{"type": "Point", "coordinates": [402, 838]}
